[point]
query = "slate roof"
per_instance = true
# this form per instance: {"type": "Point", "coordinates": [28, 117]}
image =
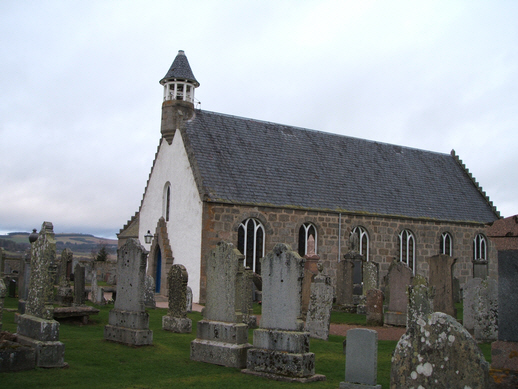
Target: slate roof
{"type": "Point", "coordinates": [180, 69]}
{"type": "Point", "coordinates": [246, 161]}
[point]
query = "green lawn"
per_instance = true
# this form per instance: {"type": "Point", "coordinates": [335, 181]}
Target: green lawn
{"type": "Point", "coordinates": [94, 362]}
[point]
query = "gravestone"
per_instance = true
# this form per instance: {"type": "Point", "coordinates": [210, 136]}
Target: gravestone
{"type": "Point", "coordinates": [480, 268]}
{"type": "Point", "coordinates": [176, 319]}
{"type": "Point", "coordinates": [3, 291]}
{"type": "Point", "coordinates": [344, 282]}
{"type": "Point", "coordinates": [248, 299]}
{"type": "Point", "coordinates": [79, 285]}
{"type": "Point", "coordinates": [310, 271]}
{"type": "Point", "coordinates": [374, 307]}
{"type": "Point", "coordinates": [456, 291]}
{"type": "Point", "coordinates": [370, 281]}
{"type": "Point", "coordinates": [149, 292]}
{"type": "Point", "coordinates": [96, 291]}
{"type": "Point", "coordinates": [188, 301]}
{"type": "Point", "coordinates": [481, 308]}
{"type": "Point", "coordinates": [36, 327]}
{"type": "Point", "coordinates": [128, 322]}
{"type": "Point", "coordinates": [420, 302]}
{"type": "Point", "coordinates": [361, 360]}
{"type": "Point", "coordinates": [222, 337]}
{"type": "Point", "coordinates": [399, 278]}
{"type": "Point", "coordinates": [320, 305]}
{"type": "Point", "coordinates": [23, 288]}
{"type": "Point", "coordinates": [440, 353]}
{"type": "Point", "coordinates": [281, 348]}
{"type": "Point", "coordinates": [504, 352]}
{"type": "Point", "coordinates": [441, 277]}
{"type": "Point", "coordinates": [65, 294]}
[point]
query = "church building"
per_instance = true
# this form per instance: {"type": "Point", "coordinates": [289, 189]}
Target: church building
{"type": "Point", "coordinates": [255, 183]}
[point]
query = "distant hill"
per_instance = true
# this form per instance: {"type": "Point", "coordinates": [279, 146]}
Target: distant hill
{"type": "Point", "coordinates": [82, 245]}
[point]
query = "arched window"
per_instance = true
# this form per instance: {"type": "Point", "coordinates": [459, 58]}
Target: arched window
{"type": "Point", "coordinates": [446, 244]}
{"type": "Point", "coordinates": [166, 208]}
{"type": "Point", "coordinates": [480, 248]}
{"type": "Point", "coordinates": [307, 234]}
{"type": "Point", "coordinates": [250, 241]}
{"type": "Point", "coordinates": [407, 248]}
{"type": "Point", "coordinates": [363, 241]}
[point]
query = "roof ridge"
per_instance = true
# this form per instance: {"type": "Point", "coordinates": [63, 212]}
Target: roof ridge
{"type": "Point", "coordinates": [323, 132]}
{"type": "Point", "coordinates": [475, 182]}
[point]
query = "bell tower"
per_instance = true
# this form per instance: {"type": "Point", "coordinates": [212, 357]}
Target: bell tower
{"type": "Point", "coordinates": [178, 106]}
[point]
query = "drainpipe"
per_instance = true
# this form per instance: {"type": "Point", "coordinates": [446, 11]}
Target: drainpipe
{"type": "Point", "coordinates": [339, 236]}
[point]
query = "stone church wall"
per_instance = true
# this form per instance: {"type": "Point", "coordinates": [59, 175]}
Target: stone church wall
{"type": "Point", "coordinates": [221, 222]}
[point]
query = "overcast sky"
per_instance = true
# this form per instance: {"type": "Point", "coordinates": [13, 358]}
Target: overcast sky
{"type": "Point", "coordinates": [80, 101]}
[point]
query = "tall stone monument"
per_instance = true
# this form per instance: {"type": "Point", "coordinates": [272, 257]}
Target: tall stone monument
{"type": "Point", "coordinates": [128, 321]}
{"type": "Point", "coordinates": [222, 337]}
{"type": "Point", "coordinates": [149, 292]}
{"type": "Point", "coordinates": [441, 278]}
{"type": "Point", "coordinates": [344, 282]}
{"type": "Point", "coordinates": [399, 278]}
{"type": "Point", "coordinates": [318, 318]}
{"type": "Point", "coordinates": [36, 327]}
{"type": "Point", "coordinates": [79, 285]}
{"type": "Point", "coordinates": [281, 348]}
{"type": "Point", "coordinates": [420, 302]}
{"type": "Point", "coordinates": [176, 319]}
{"type": "Point", "coordinates": [370, 281]}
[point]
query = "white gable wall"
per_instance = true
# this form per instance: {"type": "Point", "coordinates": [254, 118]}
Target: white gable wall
{"type": "Point", "coordinates": [185, 217]}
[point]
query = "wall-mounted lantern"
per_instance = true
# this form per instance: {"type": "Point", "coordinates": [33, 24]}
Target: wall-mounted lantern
{"type": "Point", "coordinates": [148, 237]}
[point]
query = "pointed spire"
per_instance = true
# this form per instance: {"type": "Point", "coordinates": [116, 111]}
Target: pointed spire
{"type": "Point", "coordinates": [180, 70]}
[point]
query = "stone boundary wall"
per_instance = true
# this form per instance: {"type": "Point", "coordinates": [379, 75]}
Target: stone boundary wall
{"type": "Point", "coordinates": [221, 222]}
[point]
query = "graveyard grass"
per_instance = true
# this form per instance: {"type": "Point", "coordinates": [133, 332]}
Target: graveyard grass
{"type": "Point", "coordinates": [95, 362]}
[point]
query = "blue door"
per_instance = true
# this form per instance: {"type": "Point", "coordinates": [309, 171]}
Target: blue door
{"type": "Point", "coordinates": [158, 270]}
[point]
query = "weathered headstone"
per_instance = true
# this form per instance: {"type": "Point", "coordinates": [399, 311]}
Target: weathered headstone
{"type": "Point", "coordinates": [128, 320]}
{"type": "Point", "coordinates": [370, 281]}
{"type": "Point", "coordinates": [188, 302]}
{"type": "Point", "coordinates": [456, 291]}
{"type": "Point", "coordinates": [439, 354]}
{"type": "Point", "coordinates": [79, 285]}
{"type": "Point", "coordinates": [3, 291]}
{"type": "Point", "coordinates": [399, 278]}
{"type": "Point", "coordinates": [374, 307]}
{"type": "Point", "coordinates": [310, 271]}
{"type": "Point", "coordinates": [481, 308]}
{"type": "Point", "coordinates": [281, 348]}
{"type": "Point", "coordinates": [480, 268]}
{"type": "Point", "coordinates": [65, 294]}
{"type": "Point", "coordinates": [420, 302]}
{"type": "Point", "coordinates": [441, 277]}
{"type": "Point", "coordinates": [149, 292]}
{"type": "Point", "coordinates": [176, 319]}
{"type": "Point", "coordinates": [344, 282]}
{"type": "Point", "coordinates": [96, 291]}
{"type": "Point", "coordinates": [248, 298]}
{"type": "Point", "coordinates": [36, 328]}
{"type": "Point", "coordinates": [504, 352]}
{"type": "Point", "coordinates": [361, 360]}
{"type": "Point", "coordinates": [318, 318]}
{"type": "Point", "coordinates": [23, 288]}
{"type": "Point", "coordinates": [222, 337]}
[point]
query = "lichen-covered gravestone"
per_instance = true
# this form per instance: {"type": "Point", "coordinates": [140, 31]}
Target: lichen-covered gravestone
{"type": "Point", "coordinates": [128, 320]}
{"type": "Point", "coordinates": [481, 308]}
{"type": "Point", "coordinates": [149, 292]}
{"type": "Point", "coordinates": [222, 337]}
{"type": "Point", "coordinates": [23, 287]}
{"type": "Point", "coordinates": [420, 302]}
{"type": "Point", "coordinates": [36, 328]}
{"type": "Point", "coordinates": [97, 292]}
{"type": "Point", "coordinates": [361, 360]}
{"type": "Point", "coordinates": [441, 278]}
{"type": "Point", "coordinates": [176, 319]}
{"type": "Point", "coordinates": [320, 304]}
{"type": "Point", "coordinates": [188, 301]}
{"type": "Point", "coordinates": [399, 278]}
{"type": "Point", "coordinates": [440, 353]}
{"type": "Point", "coordinates": [370, 281]}
{"type": "Point", "coordinates": [281, 348]}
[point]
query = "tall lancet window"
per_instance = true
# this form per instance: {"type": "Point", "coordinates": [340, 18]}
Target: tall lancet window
{"type": "Point", "coordinates": [407, 248]}
{"type": "Point", "coordinates": [363, 241]}
{"type": "Point", "coordinates": [250, 242]}
{"type": "Point", "coordinates": [307, 239]}
{"type": "Point", "coordinates": [480, 248]}
{"type": "Point", "coordinates": [166, 209]}
{"type": "Point", "coordinates": [446, 244]}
